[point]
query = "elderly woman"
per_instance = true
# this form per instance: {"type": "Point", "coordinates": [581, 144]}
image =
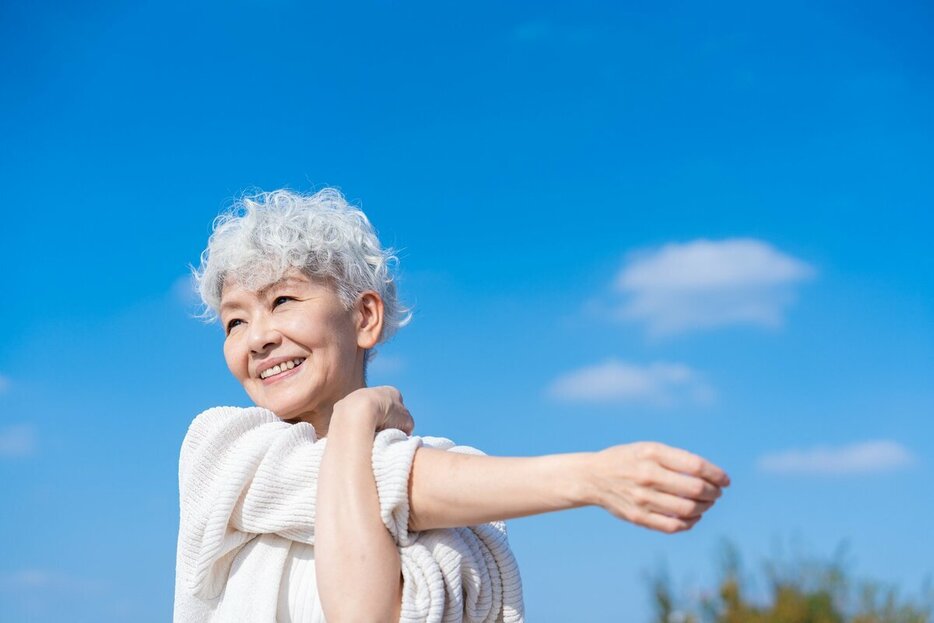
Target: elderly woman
{"type": "Point", "coordinates": [317, 502]}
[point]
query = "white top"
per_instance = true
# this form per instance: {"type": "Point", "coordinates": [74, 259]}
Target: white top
{"type": "Point", "coordinates": [247, 489]}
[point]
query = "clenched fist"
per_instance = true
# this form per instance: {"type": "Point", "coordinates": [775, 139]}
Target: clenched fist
{"type": "Point", "coordinates": [654, 485]}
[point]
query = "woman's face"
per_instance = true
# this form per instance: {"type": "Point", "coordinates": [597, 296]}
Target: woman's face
{"type": "Point", "coordinates": [292, 345]}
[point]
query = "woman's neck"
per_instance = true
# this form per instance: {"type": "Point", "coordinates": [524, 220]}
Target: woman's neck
{"type": "Point", "coordinates": [320, 417]}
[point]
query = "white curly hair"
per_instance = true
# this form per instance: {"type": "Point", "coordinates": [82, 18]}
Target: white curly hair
{"type": "Point", "coordinates": [264, 235]}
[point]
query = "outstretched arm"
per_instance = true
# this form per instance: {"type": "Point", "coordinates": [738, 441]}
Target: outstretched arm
{"type": "Point", "coordinates": [649, 484]}
{"type": "Point", "coordinates": [244, 472]}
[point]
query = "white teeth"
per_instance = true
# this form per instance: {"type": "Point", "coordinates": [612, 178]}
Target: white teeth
{"type": "Point", "coordinates": [282, 367]}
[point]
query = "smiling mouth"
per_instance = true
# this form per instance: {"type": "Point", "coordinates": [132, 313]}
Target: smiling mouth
{"type": "Point", "coordinates": [281, 368]}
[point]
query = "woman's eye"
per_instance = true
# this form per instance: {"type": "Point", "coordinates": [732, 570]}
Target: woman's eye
{"type": "Point", "coordinates": [281, 299]}
{"type": "Point", "coordinates": [233, 323]}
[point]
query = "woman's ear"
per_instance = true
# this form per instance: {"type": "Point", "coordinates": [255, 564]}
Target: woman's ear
{"type": "Point", "coordinates": [369, 319]}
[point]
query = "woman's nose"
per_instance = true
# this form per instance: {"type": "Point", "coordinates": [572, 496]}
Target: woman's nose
{"type": "Point", "coordinates": [263, 335]}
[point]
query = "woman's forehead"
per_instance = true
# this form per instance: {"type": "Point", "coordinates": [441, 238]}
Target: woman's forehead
{"type": "Point", "coordinates": [233, 287]}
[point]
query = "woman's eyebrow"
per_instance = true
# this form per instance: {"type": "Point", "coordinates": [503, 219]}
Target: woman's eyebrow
{"type": "Point", "coordinates": [288, 281]}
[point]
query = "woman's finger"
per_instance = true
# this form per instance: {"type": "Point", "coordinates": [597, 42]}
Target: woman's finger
{"type": "Point", "coordinates": [409, 422]}
{"type": "Point", "coordinates": [684, 486]}
{"type": "Point", "coordinates": [675, 506]}
{"type": "Point", "coordinates": [663, 523]}
{"type": "Point", "coordinates": [691, 464]}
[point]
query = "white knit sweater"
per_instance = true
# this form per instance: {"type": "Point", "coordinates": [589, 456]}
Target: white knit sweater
{"type": "Point", "coordinates": [247, 489]}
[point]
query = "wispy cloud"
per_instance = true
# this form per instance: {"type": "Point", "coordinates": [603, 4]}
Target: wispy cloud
{"type": "Point", "coordinates": [17, 441]}
{"type": "Point", "coordinates": [859, 458]}
{"type": "Point", "coordinates": [38, 579]}
{"type": "Point", "coordinates": [705, 284]}
{"type": "Point", "coordinates": [614, 381]}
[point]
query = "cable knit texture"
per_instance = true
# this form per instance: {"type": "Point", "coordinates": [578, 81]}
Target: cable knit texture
{"type": "Point", "coordinates": [247, 489]}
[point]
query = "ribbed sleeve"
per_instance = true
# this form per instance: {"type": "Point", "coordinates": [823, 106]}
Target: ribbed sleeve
{"type": "Point", "coordinates": [244, 472]}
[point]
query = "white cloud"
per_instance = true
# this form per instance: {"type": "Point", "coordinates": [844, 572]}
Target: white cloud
{"type": "Point", "coordinates": [614, 381]}
{"type": "Point", "coordinates": [859, 458]}
{"type": "Point", "coordinates": [17, 441]}
{"type": "Point", "coordinates": [37, 579]}
{"type": "Point", "coordinates": [705, 284]}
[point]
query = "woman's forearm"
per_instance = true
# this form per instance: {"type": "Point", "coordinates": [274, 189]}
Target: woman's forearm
{"type": "Point", "coordinates": [647, 483]}
{"type": "Point", "coordinates": [448, 489]}
{"type": "Point", "coordinates": [357, 563]}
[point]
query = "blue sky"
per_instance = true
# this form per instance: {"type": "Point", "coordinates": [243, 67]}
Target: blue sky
{"type": "Point", "coordinates": [704, 225]}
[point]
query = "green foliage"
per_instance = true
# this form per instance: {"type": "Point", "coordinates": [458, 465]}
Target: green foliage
{"type": "Point", "coordinates": [803, 591]}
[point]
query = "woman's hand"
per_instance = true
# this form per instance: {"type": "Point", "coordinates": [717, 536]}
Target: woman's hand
{"type": "Point", "coordinates": [654, 485]}
{"type": "Point", "coordinates": [381, 406]}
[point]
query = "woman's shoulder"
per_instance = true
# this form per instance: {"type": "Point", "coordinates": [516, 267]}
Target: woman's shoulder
{"type": "Point", "coordinates": [225, 416]}
{"type": "Point", "coordinates": [443, 443]}
{"type": "Point", "coordinates": [223, 422]}
{"type": "Point", "coordinates": [392, 436]}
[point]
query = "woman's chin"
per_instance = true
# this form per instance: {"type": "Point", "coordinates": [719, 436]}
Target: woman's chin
{"type": "Point", "coordinates": [290, 406]}
{"type": "Point", "coordinates": [284, 406]}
